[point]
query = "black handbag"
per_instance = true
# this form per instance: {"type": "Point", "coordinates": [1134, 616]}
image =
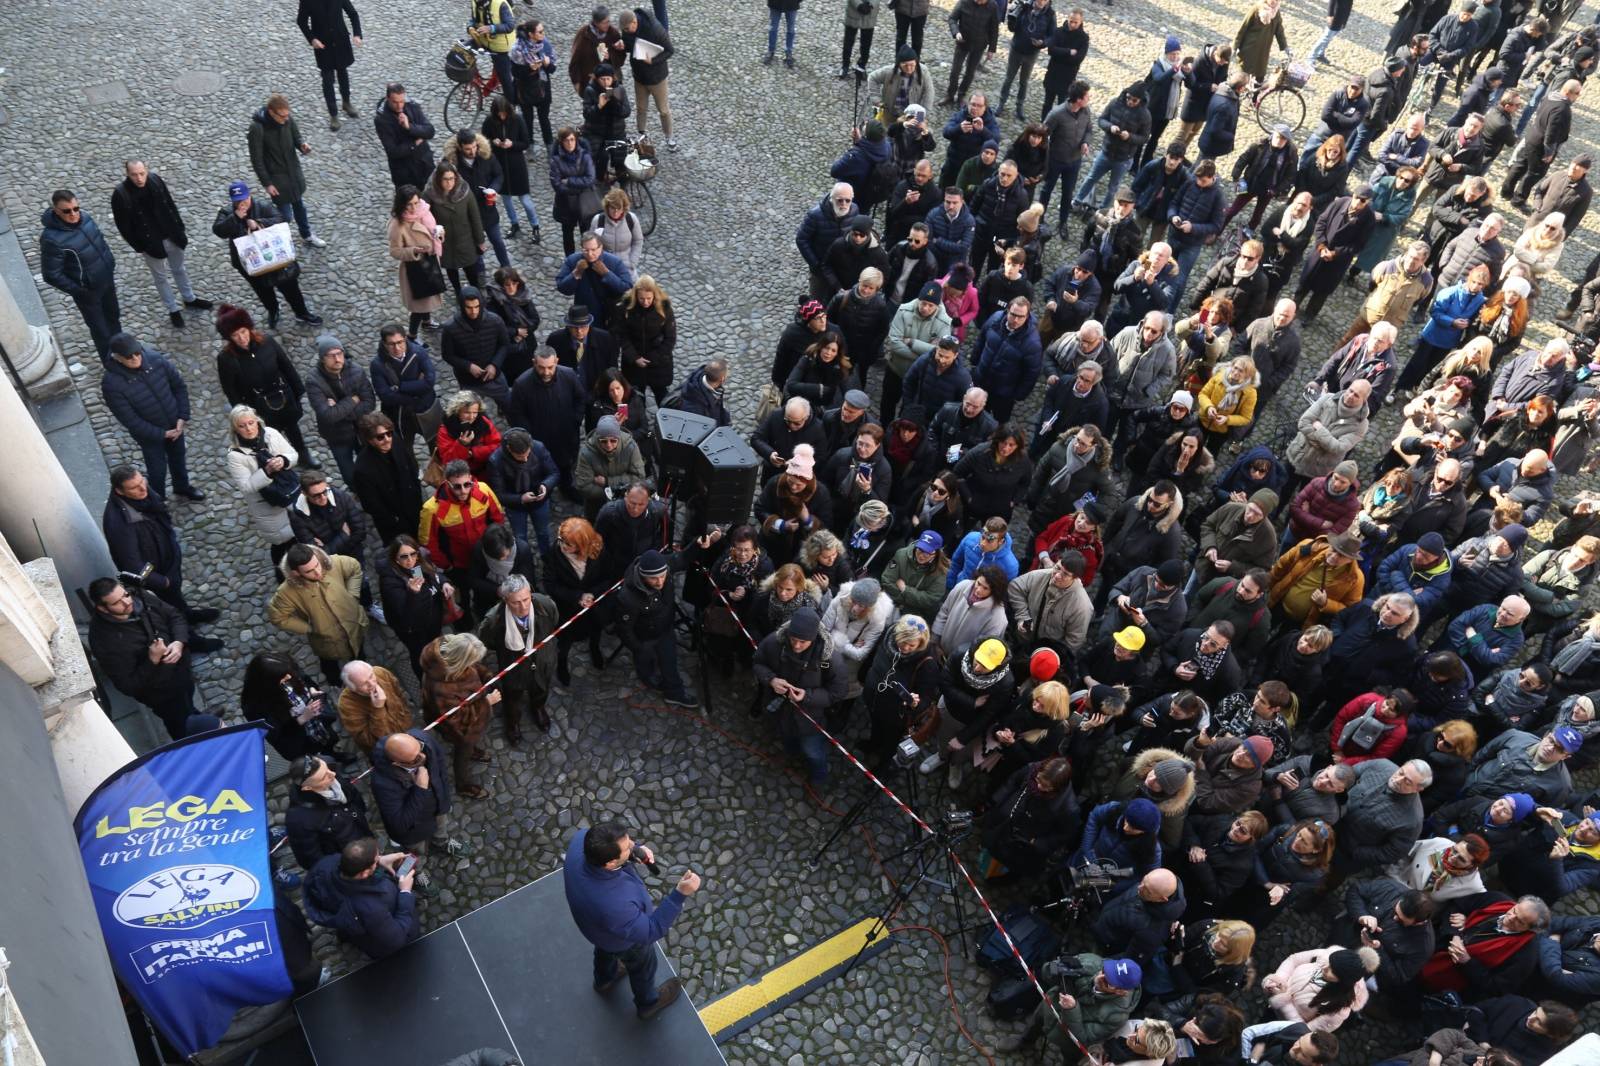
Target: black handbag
{"type": "Point", "coordinates": [424, 277]}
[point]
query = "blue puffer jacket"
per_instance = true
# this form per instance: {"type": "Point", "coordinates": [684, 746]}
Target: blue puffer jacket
{"type": "Point", "coordinates": [1395, 574]}
{"type": "Point", "coordinates": [965, 145]}
{"type": "Point", "coordinates": [1203, 207]}
{"type": "Point", "coordinates": [950, 239]}
{"type": "Point", "coordinates": [855, 166]}
{"type": "Point", "coordinates": [1154, 187]}
{"type": "Point", "coordinates": [149, 400]}
{"type": "Point", "coordinates": [819, 229]}
{"type": "Point", "coordinates": [1451, 304]}
{"type": "Point", "coordinates": [1008, 361]}
{"type": "Point", "coordinates": [1222, 124]}
{"type": "Point", "coordinates": [371, 912]}
{"type": "Point", "coordinates": [930, 390]}
{"type": "Point", "coordinates": [74, 259]}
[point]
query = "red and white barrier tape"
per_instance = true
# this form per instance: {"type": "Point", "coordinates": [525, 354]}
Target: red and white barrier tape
{"type": "Point", "coordinates": [926, 828]}
{"type": "Point", "coordinates": [489, 684]}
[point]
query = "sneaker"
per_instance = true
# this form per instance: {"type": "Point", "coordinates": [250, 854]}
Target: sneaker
{"type": "Point", "coordinates": [844, 72]}
{"type": "Point", "coordinates": [284, 877]}
{"type": "Point", "coordinates": [457, 849]}
{"type": "Point", "coordinates": [176, 318]}
{"type": "Point", "coordinates": [672, 145]}
{"type": "Point", "coordinates": [666, 994]}
{"type": "Point", "coordinates": [685, 700]}
{"type": "Point", "coordinates": [424, 887]}
{"type": "Point", "coordinates": [931, 763]}
{"type": "Point", "coordinates": [199, 304]}
{"type": "Point", "coordinates": [315, 241]}
{"type": "Point", "coordinates": [376, 614]}
{"type": "Point", "coordinates": [533, 235]}
{"type": "Point", "coordinates": [953, 776]}
{"type": "Point", "coordinates": [276, 834]}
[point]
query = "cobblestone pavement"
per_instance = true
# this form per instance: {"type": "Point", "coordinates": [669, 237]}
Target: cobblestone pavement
{"type": "Point", "coordinates": [85, 94]}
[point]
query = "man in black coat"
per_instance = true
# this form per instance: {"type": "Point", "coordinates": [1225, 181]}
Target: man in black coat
{"type": "Point", "coordinates": [404, 131]}
{"type": "Point", "coordinates": [520, 620]}
{"type": "Point", "coordinates": [793, 423]}
{"type": "Point", "coordinates": [1115, 235]}
{"type": "Point", "coordinates": [549, 401]}
{"type": "Point", "coordinates": [630, 524]}
{"type": "Point", "coordinates": [1240, 278]}
{"type": "Point", "coordinates": [645, 613]}
{"type": "Point", "coordinates": [583, 346]}
{"type": "Point", "coordinates": [147, 395]}
{"type": "Point", "coordinates": [1547, 131]}
{"type": "Point", "coordinates": [797, 669]}
{"type": "Point", "coordinates": [996, 205]}
{"type": "Point", "coordinates": [1135, 924]}
{"type": "Point", "coordinates": [357, 894]}
{"type": "Point", "coordinates": [385, 479]}
{"type": "Point", "coordinates": [148, 219]}
{"type": "Point", "coordinates": [851, 253]}
{"type": "Point", "coordinates": [912, 199]}
{"type": "Point", "coordinates": [332, 521]}
{"type": "Point", "coordinates": [326, 811]}
{"type": "Point", "coordinates": [1385, 914]}
{"type": "Point", "coordinates": [139, 532]}
{"type": "Point", "coordinates": [143, 646]}
{"type": "Point", "coordinates": [701, 391]}
{"type": "Point", "coordinates": [1567, 192]}
{"type": "Point", "coordinates": [411, 784]}
{"type": "Point", "coordinates": [475, 343]}
{"type": "Point", "coordinates": [911, 265]}
{"type": "Point", "coordinates": [1202, 661]}
{"type": "Point", "coordinates": [1343, 229]}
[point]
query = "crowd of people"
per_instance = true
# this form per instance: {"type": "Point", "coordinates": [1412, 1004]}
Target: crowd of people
{"type": "Point", "coordinates": [1229, 673]}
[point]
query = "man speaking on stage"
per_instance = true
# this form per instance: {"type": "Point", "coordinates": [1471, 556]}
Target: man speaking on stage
{"type": "Point", "coordinates": [612, 910]}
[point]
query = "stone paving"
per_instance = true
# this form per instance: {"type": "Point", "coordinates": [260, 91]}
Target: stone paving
{"type": "Point", "coordinates": [83, 95]}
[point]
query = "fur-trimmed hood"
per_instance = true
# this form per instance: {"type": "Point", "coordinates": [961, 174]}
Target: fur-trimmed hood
{"type": "Point", "coordinates": [1408, 628]}
{"type": "Point", "coordinates": [294, 578]}
{"type": "Point", "coordinates": [452, 150]}
{"type": "Point", "coordinates": [1102, 446]}
{"type": "Point", "coordinates": [1146, 762]}
{"type": "Point", "coordinates": [1174, 512]}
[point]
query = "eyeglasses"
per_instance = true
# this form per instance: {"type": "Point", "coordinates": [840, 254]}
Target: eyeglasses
{"type": "Point", "coordinates": [323, 495]}
{"type": "Point", "coordinates": [935, 490]}
{"type": "Point", "coordinates": [1246, 258]}
{"type": "Point", "coordinates": [382, 434]}
{"type": "Point", "coordinates": [398, 342]}
{"type": "Point", "coordinates": [461, 486]}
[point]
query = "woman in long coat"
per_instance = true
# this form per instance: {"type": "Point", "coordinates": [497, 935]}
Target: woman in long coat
{"type": "Point", "coordinates": [453, 669]}
{"type": "Point", "coordinates": [322, 22]}
{"type": "Point", "coordinates": [456, 209]}
{"type": "Point", "coordinates": [1252, 45]}
{"type": "Point", "coordinates": [412, 239]}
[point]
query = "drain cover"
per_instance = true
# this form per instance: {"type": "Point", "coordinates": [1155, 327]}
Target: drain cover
{"type": "Point", "coordinates": [198, 83]}
{"type": "Point", "coordinates": [110, 92]}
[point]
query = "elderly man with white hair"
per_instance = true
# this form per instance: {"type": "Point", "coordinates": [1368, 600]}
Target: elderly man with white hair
{"type": "Point", "coordinates": [1149, 283]}
{"type": "Point", "coordinates": [1273, 343]}
{"type": "Point", "coordinates": [1486, 636]}
{"type": "Point", "coordinates": [1546, 372]}
{"type": "Point", "coordinates": [792, 424]}
{"type": "Point", "coordinates": [1530, 481]}
{"type": "Point", "coordinates": [1369, 358]}
{"type": "Point", "coordinates": [1328, 431]}
{"type": "Point", "coordinates": [1070, 350]}
{"type": "Point", "coordinates": [372, 704]}
{"type": "Point", "coordinates": [960, 427]}
{"type": "Point", "coordinates": [824, 224]}
{"type": "Point", "coordinates": [1382, 816]}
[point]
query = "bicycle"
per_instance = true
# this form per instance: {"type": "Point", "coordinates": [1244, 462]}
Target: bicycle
{"type": "Point", "coordinates": [1278, 99]}
{"type": "Point", "coordinates": [462, 65]}
{"type": "Point", "coordinates": [633, 167]}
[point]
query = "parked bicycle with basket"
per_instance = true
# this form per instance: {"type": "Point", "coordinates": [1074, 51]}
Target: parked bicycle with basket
{"type": "Point", "coordinates": [1279, 97]}
{"type": "Point", "coordinates": [464, 65]}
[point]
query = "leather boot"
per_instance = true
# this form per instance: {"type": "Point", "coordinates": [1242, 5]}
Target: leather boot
{"type": "Point", "coordinates": [513, 724]}
{"type": "Point", "coordinates": [596, 656]}
{"type": "Point", "coordinates": [563, 671]}
{"type": "Point", "coordinates": [541, 717]}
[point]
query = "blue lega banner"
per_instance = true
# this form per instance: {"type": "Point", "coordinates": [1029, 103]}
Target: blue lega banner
{"type": "Point", "coordinates": [175, 846]}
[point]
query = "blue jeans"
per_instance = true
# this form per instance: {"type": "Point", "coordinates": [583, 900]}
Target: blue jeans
{"type": "Point", "coordinates": [1102, 166]}
{"type": "Point", "coordinates": [157, 457]}
{"type": "Point", "coordinates": [526, 201]}
{"type": "Point", "coordinates": [301, 219]}
{"type": "Point", "coordinates": [345, 456]}
{"type": "Point", "coordinates": [641, 964]}
{"type": "Point", "coordinates": [772, 32]}
{"type": "Point", "coordinates": [541, 525]}
{"type": "Point", "coordinates": [1320, 49]}
{"type": "Point", "coordinates": [813, 748]}
{"type": "Point", "coordinates": [491, 229]}
{"type": "Point", "coordinates": [1539, 93]}
{"type": "Point", "coordinates": [1185, 256]}
{"type": "Point", "coordinates": [656, 662]}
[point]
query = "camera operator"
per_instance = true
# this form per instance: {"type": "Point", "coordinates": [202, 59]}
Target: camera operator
{"type": "Point", "coordinates": [798, 664]}
{"type": "Point", "coordinates": [1095, 996]}
{"type": "Point", "coordinates": [901, 689]}
{"type": "Point", "coordinates": [611, 908]}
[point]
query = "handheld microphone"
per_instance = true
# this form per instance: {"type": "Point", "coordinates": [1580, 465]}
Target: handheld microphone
{"type": "Point", "coordinates": [655, 871]}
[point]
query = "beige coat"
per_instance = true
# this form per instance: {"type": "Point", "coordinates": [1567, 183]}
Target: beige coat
{"type": "Point", "coordinates": [409, 241]}
{"type": "Point", "coordinates": [328, 612]}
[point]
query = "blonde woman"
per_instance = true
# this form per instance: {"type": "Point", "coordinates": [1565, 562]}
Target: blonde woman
{"type": "Point", "coordinates": [619, 229]}
{"type": "Point", "coordinates": [1211, 955]}
{"type": "Point", "coordinates": [1472, 361]}
{"type": "Point", "coordinates": [453, 670]}
{"type": "Point", "coordinates": [1228, 402]}
{"type": "Point", "coordinates": [1252, 45]}
{"type": "Point", "coordinates": [261, 464]}
{"type": "Point", "coordinates": [414, 237]}
{"type": "Point", "coordinates": [647, 332]}
{"type": "Point", "coordinates": [1540, 247]}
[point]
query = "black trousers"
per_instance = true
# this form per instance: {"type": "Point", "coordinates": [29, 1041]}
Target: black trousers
{"type": "Point", "coordinates": [267, 293]}
{"type": "Point", "coordinates": [1526, 168]}
{"type": "Point", "coordinates": [849, 43]}
{"type": "Point", "coordinates": [343, 74]}
{"type": "Point", "coordinates": [905, 25]}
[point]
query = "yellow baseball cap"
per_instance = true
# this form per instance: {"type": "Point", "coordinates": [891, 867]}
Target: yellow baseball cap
{"type": "Point", "coordinates": [1131, 638]}
{"type": "Point", "coordinates": [991, 654]}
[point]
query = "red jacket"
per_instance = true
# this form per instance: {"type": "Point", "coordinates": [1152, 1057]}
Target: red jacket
{"type": "Point", "coordinates": [1061, 535]}
{"type": "Point", "coordinates": [1312, 507]}
{"type": "Point", "coordinates": [450, 448]}
{"type": "Point", "coordinates": [450, 530]}
{"type": "Point", "coordinates": [1387, 745]}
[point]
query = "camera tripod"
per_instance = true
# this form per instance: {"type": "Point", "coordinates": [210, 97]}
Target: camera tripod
{"type": "Point", "coordinates": [924, 852]}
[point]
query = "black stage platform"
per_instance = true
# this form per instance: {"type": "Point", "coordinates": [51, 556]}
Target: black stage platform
{"type": "Point", "coordinates": [515, 974]}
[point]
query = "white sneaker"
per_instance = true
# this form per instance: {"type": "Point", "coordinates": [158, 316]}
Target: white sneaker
{"type": "Point", "coordinates": [953, 776]}
{"type": "Point", "coordinates": [672, 145]}
{"type": "Point", "coordinates": [316, 242]}
{"type": "Point", "coordinates": [931, 763]}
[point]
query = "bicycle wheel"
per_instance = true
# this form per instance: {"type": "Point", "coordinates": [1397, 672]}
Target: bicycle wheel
{"type": "Point", "coordinates": [1281, 105]}
{"type": "Point", "coordinates": [463, 106]}
{"type": "Point", "coordinates": [644, 204]}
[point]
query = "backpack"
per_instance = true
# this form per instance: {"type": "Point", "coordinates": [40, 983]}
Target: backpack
{"type": "Point", "coordinates": [881, 180]}
{"type": "Point", "coordinates": [1035, 940]}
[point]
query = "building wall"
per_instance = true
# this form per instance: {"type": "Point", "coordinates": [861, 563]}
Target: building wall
{"type": "Point", "coordinates": [59, 973]}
